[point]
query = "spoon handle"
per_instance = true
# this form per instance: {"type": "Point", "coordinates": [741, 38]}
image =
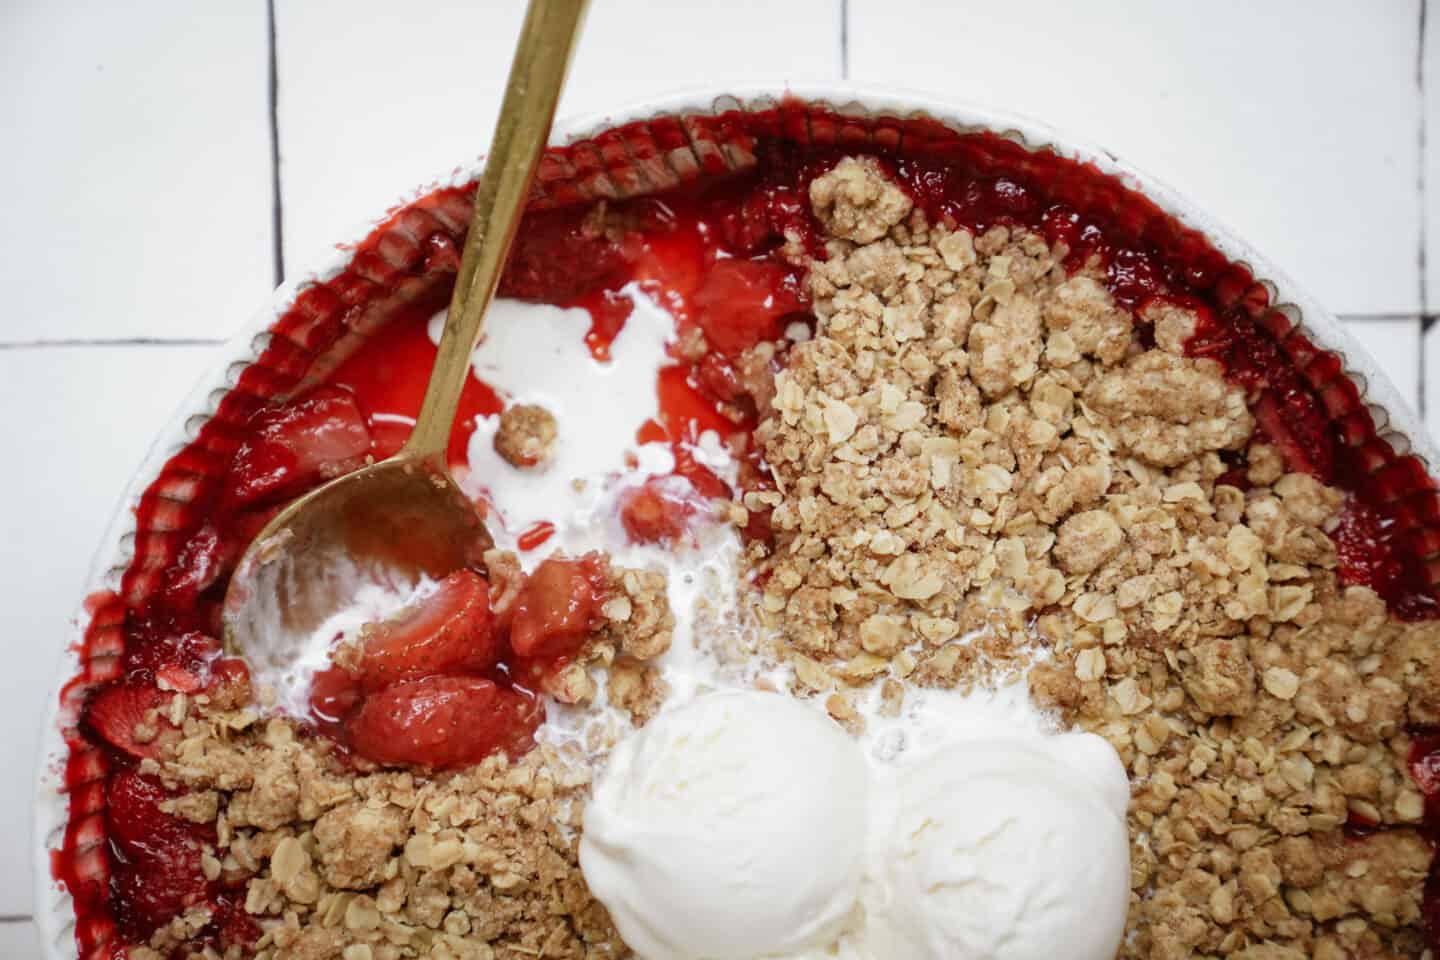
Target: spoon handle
{"type": "Point", "coordinates": [537, 74]}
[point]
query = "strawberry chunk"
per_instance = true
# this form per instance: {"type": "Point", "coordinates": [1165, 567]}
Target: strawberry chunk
{"type": "Point", "coordinates": [125, 715]}
{"type": "Point", "coordinates": [450, 631]}
{"type": "Point", "coordinates": [717, 376]}
{"type": "Point", "coordinates": [210, 555]}
{"type": "Point", "coordinates": [444, 721]}
{"type": "Point", "coordinates": [157, 867]}
{"type": "Point", "coordinates": [334, 695]}
{"type": "Point", "coordinates": [200, 563]}
{"type": "Point", "coordinates": [291, 448]}
{"type": "Point", "coordinates": [658, 511]}
{"type": "Point", "coordinates": [742, 302]}
{"type": "Point", "coordinates": [1291, 422]}
{"type": "Point", "coordinates": [559, 255]}
{"type": "Point", "coordinates": [558, 606]}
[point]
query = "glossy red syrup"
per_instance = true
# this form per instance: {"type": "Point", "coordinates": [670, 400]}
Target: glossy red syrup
{"type": "Point", "coordinates": [709, 253]}
{"type": "Point", "coordinates": [608, 312]}
{"type": "Point", "coordinates": [535, 536]}
{"type": "Point", "coordinates": [389, 376]}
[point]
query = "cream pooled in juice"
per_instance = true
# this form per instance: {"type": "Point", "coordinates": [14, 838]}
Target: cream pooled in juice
{"type": "Point", "coordinates": [537, 354]}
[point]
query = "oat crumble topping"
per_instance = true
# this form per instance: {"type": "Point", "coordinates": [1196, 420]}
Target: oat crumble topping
{"type": "Point", "coordinates": [982, 464]}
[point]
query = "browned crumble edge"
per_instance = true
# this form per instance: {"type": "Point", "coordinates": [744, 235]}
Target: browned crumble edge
{"type": "Point", "coordinates": [984, 471]}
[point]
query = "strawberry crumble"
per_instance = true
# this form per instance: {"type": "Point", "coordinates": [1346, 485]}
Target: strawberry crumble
{"type": "Point", "coordinates": [860, 426]}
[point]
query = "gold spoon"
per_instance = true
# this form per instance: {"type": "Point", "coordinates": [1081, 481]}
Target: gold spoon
{"type": "Point", "coordinates": [393, 521]}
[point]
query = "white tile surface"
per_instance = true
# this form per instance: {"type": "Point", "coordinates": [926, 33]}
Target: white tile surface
{"type": "Point", "coordinates": [1293, 122]}
{"type": "Point", "coordinates": [139, 135]}
{"type": "Point", "coordinates": [103, 408]}
{"type": "Point", "coordinates": [1394, 342]}
{"type": "Point", "coordinates": [19, 941]}
{"type": "Point", "coordinates": [1431, 68]}
{"type": "Point", "coordinates": [377, 98]}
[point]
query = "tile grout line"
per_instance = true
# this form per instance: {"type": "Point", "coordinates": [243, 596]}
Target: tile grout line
{"type": "Point", "coordinates": [1426, 318]}
{"type": "Point", "coordinates": [845, 39]}
{"type": "Point", "coordinates": [66, 343]}
{"type": "Point", "coordinates": [277, 216]}
{"type": "Point", "coordinates": [16, 918]}
{"type": "Point", "coordinates": [1421, 135]}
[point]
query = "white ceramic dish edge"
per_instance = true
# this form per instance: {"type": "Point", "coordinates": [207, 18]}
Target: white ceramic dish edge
{"type": "Point", "coordinates": [1395, 421]}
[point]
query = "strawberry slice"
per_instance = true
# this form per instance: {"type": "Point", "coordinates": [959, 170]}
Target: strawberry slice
{"type": "Point", "coordinates": [1290, 421]}
{"type": "Point", "coordinates": [742, 302]}
{"type": "Point", "coordinates": [558, 606]}
{"type": "Point", "coordinates": [290, 448]}
{"type": "Point", "coordinates": [444, 721]}
{"type": "Point", "coordinates": [762, 218]}
{"type": "Point", "coordinates": [118, 714]}
{"type": "Point", "coordinates": [161, 645]}
{"type": "Point", "coordinates": [449, 631]}
{"type": "Point", "coordinates": [658, 511]}
{"type": "Point", "coordinates": [157, 867]}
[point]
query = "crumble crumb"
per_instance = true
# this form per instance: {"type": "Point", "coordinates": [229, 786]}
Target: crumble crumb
{"type": "Point", "coordinates": [856, 202]}
{"type": "Point", "coordinates": [526, 435]}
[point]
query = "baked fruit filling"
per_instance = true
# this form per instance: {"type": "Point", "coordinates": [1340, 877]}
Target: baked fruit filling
{"type": "Point", "coordinates": [909, 424]}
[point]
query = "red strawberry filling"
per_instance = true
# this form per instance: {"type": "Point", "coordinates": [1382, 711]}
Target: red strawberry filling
{"type": "Point", "coordinates": [157, 856]}
{"type": "Point", "coordinates": [742, 302]}
{"type": "Point", "coordinates": [435, 686]}
{"type": "Point", "coordinates": [432, 688]}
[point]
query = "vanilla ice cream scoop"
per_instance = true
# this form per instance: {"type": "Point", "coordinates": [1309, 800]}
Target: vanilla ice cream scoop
{"type": "Point", "coordinates": [731, 828]}
{"type": "Point", "coordinates": [1004, 849]}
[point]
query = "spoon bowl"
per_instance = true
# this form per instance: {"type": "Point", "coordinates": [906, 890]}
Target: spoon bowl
{"type": "Point", "coordinates": [393, 524]}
